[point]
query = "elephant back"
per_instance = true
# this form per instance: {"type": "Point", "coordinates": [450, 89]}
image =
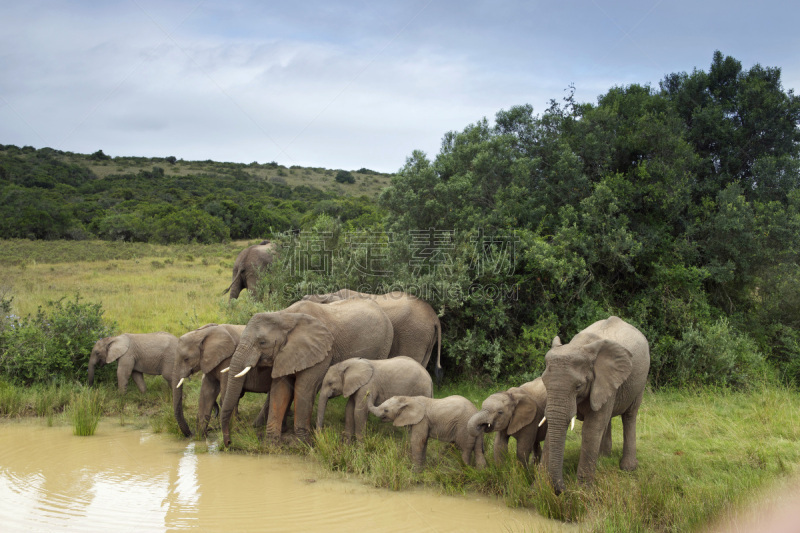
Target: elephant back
{"type": "Point", "coordinates": [359, 327]}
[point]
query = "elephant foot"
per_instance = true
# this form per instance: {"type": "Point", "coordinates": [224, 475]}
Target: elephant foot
{"type": "Point", "coordinates": [628, 464]}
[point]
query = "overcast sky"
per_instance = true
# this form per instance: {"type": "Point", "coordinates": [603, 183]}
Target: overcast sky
{"type": "Point", "coordinates": [342, 84]}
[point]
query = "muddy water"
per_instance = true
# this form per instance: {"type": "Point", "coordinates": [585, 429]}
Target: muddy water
{"type": "Point", "coordinates": [125, 479]}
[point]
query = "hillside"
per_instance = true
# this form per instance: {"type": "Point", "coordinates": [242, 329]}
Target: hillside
{"type": "Point", "coordinates": [367, 182]}
{"type": "Point", "coordinates": [50, 194]}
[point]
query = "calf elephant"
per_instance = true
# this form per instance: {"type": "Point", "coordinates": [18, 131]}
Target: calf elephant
{"type": "Point", "coordinates": [517, 412]}
{"type": "Point", "coordinates": [415, 324]}
{"type": "Point", "coordinates": [367, 383]}
{"type": "Point", "coordinates": [599, 374]}
{"type": "Point", "coordinates": [444, 419]}
{"type": "Point", "coordinates": [209, 349]}
{"type": "Point", "coordinates": [299, 344]}
{"type": "Point", "coordinates": [136, 354]}
{"type": "Point", "coordinates": [249, 265]}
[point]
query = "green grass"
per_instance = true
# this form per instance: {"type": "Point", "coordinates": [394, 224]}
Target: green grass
{"type": "Point", "coordinates": [85, 412]}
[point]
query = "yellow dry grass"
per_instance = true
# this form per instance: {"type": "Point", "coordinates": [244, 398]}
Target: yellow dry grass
{"type": "Point", "coordinates": [140, 295]}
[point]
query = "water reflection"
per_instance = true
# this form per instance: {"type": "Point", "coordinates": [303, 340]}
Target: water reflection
{"type": "Point", "coordinates": [124, 479]}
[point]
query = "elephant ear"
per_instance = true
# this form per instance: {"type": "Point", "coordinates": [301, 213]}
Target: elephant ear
{"type": "Point", "coordinates": [410, 412]}
{"type": "Point", "coordinates": [524, 412]}
{"type": "Point", "coordinates": [215, 347]}
{"type": "Point", "coordinates": [118, 347]}
{"type": "Point", "coordinates": [356, 374]}
{"type": "Point", "coordinates": [612, 366]}
{"type": "Point", "coordinates": [308, 342]}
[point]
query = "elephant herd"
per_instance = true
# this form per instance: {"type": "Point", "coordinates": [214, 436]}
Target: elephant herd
{"type": "Point", "coordinates": [373, 350]}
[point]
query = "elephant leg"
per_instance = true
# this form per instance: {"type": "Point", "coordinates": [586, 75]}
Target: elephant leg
{"type": "Point", "coordinates": [280, 396]}
{"type": "Point", "coordinates": [500, 446]}
{"type": "Point", "coordinates": [419, 445]}
{"type": "Point", "coordinates": [349, 418]}
{"type": "Point", "coordinates": [209, 390]}
{"type": "Point", "coordinates": [307, 384]}
{"type": "Point", "coordinates": [525, 444]}
{"type": "Point", "coordinates": [360, 414]}
{"type": "Point", "coordinates": [477, 449]}
{"type": "Point", "coordinates": [592, 431]}
{"type": "Point", "coordinates": [261, 419]}
{"type": "Point", "coordinates": [629, 461]}
{"type": "Point", "coordinates": [138, 378]}
{"type": "Point", "coordinates": [605, 445]}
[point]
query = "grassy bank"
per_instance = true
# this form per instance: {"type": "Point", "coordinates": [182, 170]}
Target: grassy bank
{"type": "Point", "coordinates": [702, 453]}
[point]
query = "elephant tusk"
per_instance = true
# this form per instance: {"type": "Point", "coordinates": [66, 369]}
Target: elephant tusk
{"type": "Point", "coordinates": [572, 424]}
{"type": "Point", "coordinates": [243, 372]}
{"type": "Point", "coordinates": [544, 419]}
{"type": "Point", "coordinates": [223, 371]}
{"type": "Point", "coordinates": [178, 386]}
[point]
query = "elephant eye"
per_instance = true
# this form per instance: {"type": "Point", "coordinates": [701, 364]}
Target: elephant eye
{"type": "Point", "coordinates": [500, 412]}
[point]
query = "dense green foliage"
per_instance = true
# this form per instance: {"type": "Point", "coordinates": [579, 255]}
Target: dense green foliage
{"type": "Point", "coordinates": [52, 345]}
{"type": "Point", "coordinates": [677, 209]}
{"type": "Point", "coordinates": [43, 195]}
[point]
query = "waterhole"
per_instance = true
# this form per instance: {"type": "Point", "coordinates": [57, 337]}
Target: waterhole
{"type": "Point", "coordinates": [124, 479]}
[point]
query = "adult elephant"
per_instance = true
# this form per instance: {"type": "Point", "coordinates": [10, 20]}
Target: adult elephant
{"type": "Point", "coordinates": [248, 267]}
{"type": "Point", "coordinates": [415, 324]}
{"type": "Point", "coordinates": [599, 374]}
{"type": "Point", "coordinates": [299, 344]}
{"type": "Point", "coordinates": [209, 349]}
{"type": "Point", "coordinates": [136, 354]}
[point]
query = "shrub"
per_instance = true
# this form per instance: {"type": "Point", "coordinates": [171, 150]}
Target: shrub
{"type": "Point", "coordinates": [56, 342]}
{"type": "Point", "coordinates": [343, 176]}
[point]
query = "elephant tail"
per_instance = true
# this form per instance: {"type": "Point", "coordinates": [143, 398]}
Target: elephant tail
{"type": "Point", "coordinates": [438, 372]}
{"type": "Point", "coordinates": [235, 278]}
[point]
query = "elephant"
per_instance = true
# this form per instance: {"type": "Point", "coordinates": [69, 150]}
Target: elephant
{"type": "Point", "coordinates": [599, 374]}
{"type": "Point", "coordinates": [517, 412]}
{"type": "Point", "coordinates": [367, 383]}
{"type": "Point", "coordinates": [299, 344]}
{"type": "Point", "coordinates": [248, 266]}
{"type": "Point", "coordinates": [416, 325]}
{"type": "Point", "coordinates": [209, 349]}
{"type": "Point", "coordinates": [444, 419]}
{"type": "Point", "coordinates": [136, 354]}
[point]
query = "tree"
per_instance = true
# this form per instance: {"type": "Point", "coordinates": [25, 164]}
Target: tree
{"type": "Point", "coordinates": [344, 176]}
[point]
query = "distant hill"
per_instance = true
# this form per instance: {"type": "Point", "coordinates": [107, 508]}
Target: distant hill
{"type": "Point", "coordinates": [367, 182]}
{"type": "Point", "coordinates": [51, 194]}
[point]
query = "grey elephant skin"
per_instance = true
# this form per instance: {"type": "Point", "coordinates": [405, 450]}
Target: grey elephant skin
{"type": "Point", "coordinates": [366, 383]}
{"type": "Point", "coordinates": [209, 349]}
{"type": "Point", "coordinates": [299, 344]}
{"type": "Point", "coordinates": [249, 265]}
{"type": "Point", "coordinates": [518, 413]}
{"type": "Point", "coordinates": [444, 419]}
{"type": "Point", "coordinates": [136, 354]}
{"type": "Point", "coordinates": [601, 373]}
{"type": "Point", "coordinates": [415, 324]}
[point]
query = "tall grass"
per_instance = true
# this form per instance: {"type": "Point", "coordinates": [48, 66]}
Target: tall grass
{"type": "Point", "coordinates": [85, 412]}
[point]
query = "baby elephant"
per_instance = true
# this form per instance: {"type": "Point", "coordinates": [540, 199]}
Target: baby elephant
{"type": "Point", "coordinates": [366, 383]}
{"type": "Point", "coordinates": [517, 412]}
{"type": "Point", "coordinates": [443, 419]}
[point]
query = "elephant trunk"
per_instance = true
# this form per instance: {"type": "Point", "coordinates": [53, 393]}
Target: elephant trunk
{"type": "Point", "coordinates": [323, 402]}
{"type": "Point", "coordinates": [558, 416]}
{"type": "Point", "coordinates": [177, 407]}
{"type": "Point", "coordinates": [92, 363]}
{"type": "Point", "coordinates": [479, 423]}
{"type": "Point", "coordinates": [234, 386]}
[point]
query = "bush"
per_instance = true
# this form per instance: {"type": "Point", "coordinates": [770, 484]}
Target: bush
{"type": "Point", "coordinates": [343, 176]}
{"type": "Point", "coordinates": [709, 354]}
{"type": "Point", "coordinates": [55, 343]}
